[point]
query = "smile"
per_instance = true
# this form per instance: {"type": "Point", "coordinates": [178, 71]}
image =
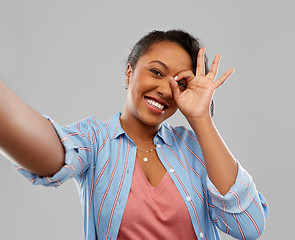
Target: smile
{"type": "Point", "coordinates": [155, 104]}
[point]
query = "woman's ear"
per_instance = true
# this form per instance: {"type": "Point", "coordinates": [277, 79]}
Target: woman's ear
{"type": "Point", "coordinates": [128, 74]}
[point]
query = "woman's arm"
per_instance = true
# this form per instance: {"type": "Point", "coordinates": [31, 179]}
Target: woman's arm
{"type": "Point", "coordinates": [194, 103]}
{"type": "Point", "coordinates": [221, 167]}
{"type": "Point", "coordinates": [28, 138]}
{"type": "Point", "coordinates": [235, 205]}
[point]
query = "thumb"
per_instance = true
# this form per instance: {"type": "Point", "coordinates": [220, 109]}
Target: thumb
{"type": "Point", "coordinates": [175, 89]}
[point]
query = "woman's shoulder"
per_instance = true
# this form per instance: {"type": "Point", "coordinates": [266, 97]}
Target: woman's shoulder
{"type": "Point", "coordinates": [97, 123]}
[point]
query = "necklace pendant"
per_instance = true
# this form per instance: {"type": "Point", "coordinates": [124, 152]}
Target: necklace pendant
{"type": "Point", "coordinates": [145, 159]}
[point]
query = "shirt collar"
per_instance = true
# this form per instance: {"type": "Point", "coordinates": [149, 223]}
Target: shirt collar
{"type": "Point", "coordinates": [165, 133]}
{"type": "Point", "coordinates": [116, 130]}
{"type": "Point", "coordinates": [114, 126]}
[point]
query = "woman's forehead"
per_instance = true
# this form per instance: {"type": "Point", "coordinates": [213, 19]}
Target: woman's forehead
{"type": "Point", "coordinates": [170, 53]}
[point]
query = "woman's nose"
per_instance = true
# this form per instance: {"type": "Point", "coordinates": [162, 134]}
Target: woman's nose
{"type": "Point", "coordinates": [164, 88]}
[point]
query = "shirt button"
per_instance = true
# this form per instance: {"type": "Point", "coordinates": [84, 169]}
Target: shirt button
{"type": "Point", "coordinates": [171, 170]}
{"type": "Point", "coordinates": [201, 235]}
{"type": "Point", "coordinates": [158, 145]}
{"type": "Point", "coordinates": [188, 198]}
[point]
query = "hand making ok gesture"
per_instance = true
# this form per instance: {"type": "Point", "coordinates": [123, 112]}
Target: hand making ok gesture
{"type": "Point", "coordinates": [194, 101]}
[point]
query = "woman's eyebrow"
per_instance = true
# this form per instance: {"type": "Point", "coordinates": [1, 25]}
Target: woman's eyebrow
{"type": "Point", "coordinates": [159, 62]}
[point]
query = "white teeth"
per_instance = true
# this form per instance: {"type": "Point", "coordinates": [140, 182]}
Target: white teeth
{"type": "Point", "coordinates": [155, 104]}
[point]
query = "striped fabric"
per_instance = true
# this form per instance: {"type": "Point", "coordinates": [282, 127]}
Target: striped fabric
{"type": "Point", "coordinates": [100, 157]}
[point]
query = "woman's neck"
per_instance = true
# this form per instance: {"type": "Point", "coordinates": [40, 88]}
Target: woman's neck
{"type": "Point", "coordinates": [136, 129]}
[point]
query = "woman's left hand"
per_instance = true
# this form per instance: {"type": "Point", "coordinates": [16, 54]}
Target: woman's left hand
{"type": "Point", "coordinates": [194, 102]}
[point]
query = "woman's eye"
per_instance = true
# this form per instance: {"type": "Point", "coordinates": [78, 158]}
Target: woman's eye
{"type": "Point", "coordinates": [182, 84]}
{"type": "Point", "coordinates": [157, 72]}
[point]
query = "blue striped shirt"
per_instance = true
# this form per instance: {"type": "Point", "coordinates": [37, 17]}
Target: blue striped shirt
{"type": "Point", "coordinates": [100, 158]}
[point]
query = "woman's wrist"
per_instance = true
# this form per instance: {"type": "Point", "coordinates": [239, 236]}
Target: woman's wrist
{"type": "Point", "coordinates": [200, 122]}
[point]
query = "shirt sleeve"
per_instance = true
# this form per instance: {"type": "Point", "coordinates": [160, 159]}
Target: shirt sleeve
{"type": "Point", "coordinates": [240, 213]}
{"type": "Point", "coordinates": [78, 140]}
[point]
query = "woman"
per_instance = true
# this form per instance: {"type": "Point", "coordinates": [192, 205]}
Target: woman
{"type": "Point", "coordinates": [138, 177]}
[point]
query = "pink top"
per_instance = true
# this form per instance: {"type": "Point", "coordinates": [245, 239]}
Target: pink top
{"type": "Point", "coordinates": [155, 212]}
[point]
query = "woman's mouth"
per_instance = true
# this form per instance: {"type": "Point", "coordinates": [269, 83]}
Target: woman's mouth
{"type": "Point", "coordinates": [156, 105]}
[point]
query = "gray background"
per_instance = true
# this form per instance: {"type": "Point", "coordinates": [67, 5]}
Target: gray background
{"type": "Point", "coordinates": [66, 58]}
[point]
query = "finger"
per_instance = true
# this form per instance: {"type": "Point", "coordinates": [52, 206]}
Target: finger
{"type": "Point", "coordinates": [187, 75]}
{"type": "Point", "coordinates": [175, 88]}
{"type": "Point", "coordinates": [200, 70]}
{"type": "Point", "coordinates": [223, 78]}
{"type": "Point", "coordinates": [214, 68]}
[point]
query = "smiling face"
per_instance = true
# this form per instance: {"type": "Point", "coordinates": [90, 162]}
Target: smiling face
{"type": "Point", "coordinates": [149, 96]}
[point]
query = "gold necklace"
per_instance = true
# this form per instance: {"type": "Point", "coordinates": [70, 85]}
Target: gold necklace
{"type": "Point", "coordinates": [146, 151]}
{"type": "Point", "coordinates": [145, 159]}
{"type": "Point", "coordinates": [140, 149]}
{"type": "Point", "coordinates": [141, 141]}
